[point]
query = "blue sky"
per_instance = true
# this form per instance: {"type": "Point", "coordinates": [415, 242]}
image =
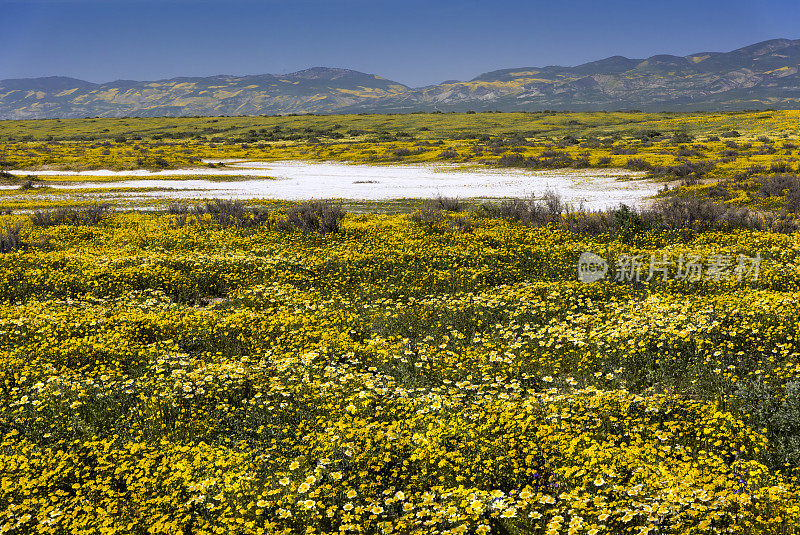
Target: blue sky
{"type": "Point", "coordinates": [414, 42]}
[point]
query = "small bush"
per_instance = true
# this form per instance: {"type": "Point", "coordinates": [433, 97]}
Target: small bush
{"type": "Point", "coordinates": [461, 224]}
{"type": "Point", "coordinates": [570, 140]}
{"type": "Point", "coordinates": [29, 182]}
{"type": "Point", "coordinates": [186, 215]}
{"type": "Point", "coordinates": [511, 160]}
{"type": "Point", "coordinates": [529, 212]}
{"type": "Point", "coordinates": [449, 204]}
{"type": "Point", "coordinates": [582, 162]}
{"type": "Point", "coordinates": [316, 216]}
{"type": "Point", "coordinates": [590, 223]}
{"type": "Point", "coordinates": [227, 213]}
{"type": "Point", "coordinates": [778, 185]}
{"type": "Point", "coordinates": [551, 159]}
{"type": "Point", "coordinates": [690, 213]}
{"type": "Point", "coordinates": [177, 208]}
{"type": "Point", "coordinates": [787, 185]}
{"type": "Point", "coordinates": [427, 216]}
{"type": "Point", "coordinates": [672, 213]}
{"type": "Point", "coordinates": [43, 218]}
{"type": "Point", "coordinates": [10, 237]}
{"type": "Point", "coordinates": [686, 152]}
{"type": "Point", "coordinates": [637, 164]}
{"type": "Point", "coordinates": [697, 169]}
{"type": "Point", "coordinates": [793, 199]}
{"type": "Point", "coordinates": [718, 192]}
{"type": "Point", "coordinates": [432, 214]}
{"type": "Point", "coordinates": [91, 215]}
{"type": "Point", "coordinates": [628, 222]}
{"type": "Point", "coordinates": [682, 137]}
{"type": "Point", "coordinates": [689, 171]}
{"type": "Point", "coordinates": [649, 134]}
{"type": "Point", "coordinates": [780, 167]}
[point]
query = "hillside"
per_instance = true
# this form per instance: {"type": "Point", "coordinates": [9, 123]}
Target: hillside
{"type": "Point", "coordinates": [318, 89]}
{"type": "Point", "coordinates": [763, 75]}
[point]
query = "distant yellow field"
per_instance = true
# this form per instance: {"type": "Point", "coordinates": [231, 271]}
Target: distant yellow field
{"type": "Point", "coordinates": [728, 151]}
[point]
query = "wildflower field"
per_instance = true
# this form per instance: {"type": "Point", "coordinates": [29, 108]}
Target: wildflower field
{"type": "Point", "coordinates": [439, 366]}
{"type": "Point", "coordinates": [168, 374]}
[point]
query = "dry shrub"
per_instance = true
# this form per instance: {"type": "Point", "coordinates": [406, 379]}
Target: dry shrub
{"type": "Point", "coordinates": [427, 216]}
{"type": "Point", "coordinates": [10, 237]}
{"type": "Point", "coordinates": [462, 224]}
{"type": "Point", "coordinates": [90, 215]}
{"type": "Point", "coordinates": [316, 216]}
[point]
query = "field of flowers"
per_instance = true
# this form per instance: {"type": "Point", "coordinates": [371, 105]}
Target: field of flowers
{"type": "Point", "coordinates": [725, 156]}
{"type": "Point", "coordinates": [160, 374]}
{"type": "Point", "coordinates": [711, 142]}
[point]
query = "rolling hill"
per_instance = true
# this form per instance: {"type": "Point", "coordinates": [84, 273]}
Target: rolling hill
{"type": "Point", "coordinates": [762, 75]}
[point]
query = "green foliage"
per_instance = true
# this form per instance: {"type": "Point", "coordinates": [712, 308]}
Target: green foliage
{"type": "Point", "coordinates": [778, 416]}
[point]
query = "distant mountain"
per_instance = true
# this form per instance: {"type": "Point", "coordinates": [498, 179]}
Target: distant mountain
{"type": "Point", "coordinates": [763, 75]}
{"type": "Point", "coordinates": [319, 89]}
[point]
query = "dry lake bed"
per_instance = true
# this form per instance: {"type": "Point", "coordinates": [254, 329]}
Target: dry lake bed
{"type": "Point", "coordinates": [300, 180]}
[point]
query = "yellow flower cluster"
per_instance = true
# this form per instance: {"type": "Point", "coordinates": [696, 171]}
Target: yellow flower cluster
{"type": "Point", "coordinates": [391, 379]}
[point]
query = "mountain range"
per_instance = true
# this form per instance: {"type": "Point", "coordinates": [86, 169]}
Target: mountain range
{"type": "Point", "coordinates": [759, 76]}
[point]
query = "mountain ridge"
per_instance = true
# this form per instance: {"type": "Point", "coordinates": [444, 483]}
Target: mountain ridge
{"type": "Point", "coordinates": [756, 76]}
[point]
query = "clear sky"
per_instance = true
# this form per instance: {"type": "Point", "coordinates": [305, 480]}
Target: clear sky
{"type": "Point", "coordinates": [416, 42]}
